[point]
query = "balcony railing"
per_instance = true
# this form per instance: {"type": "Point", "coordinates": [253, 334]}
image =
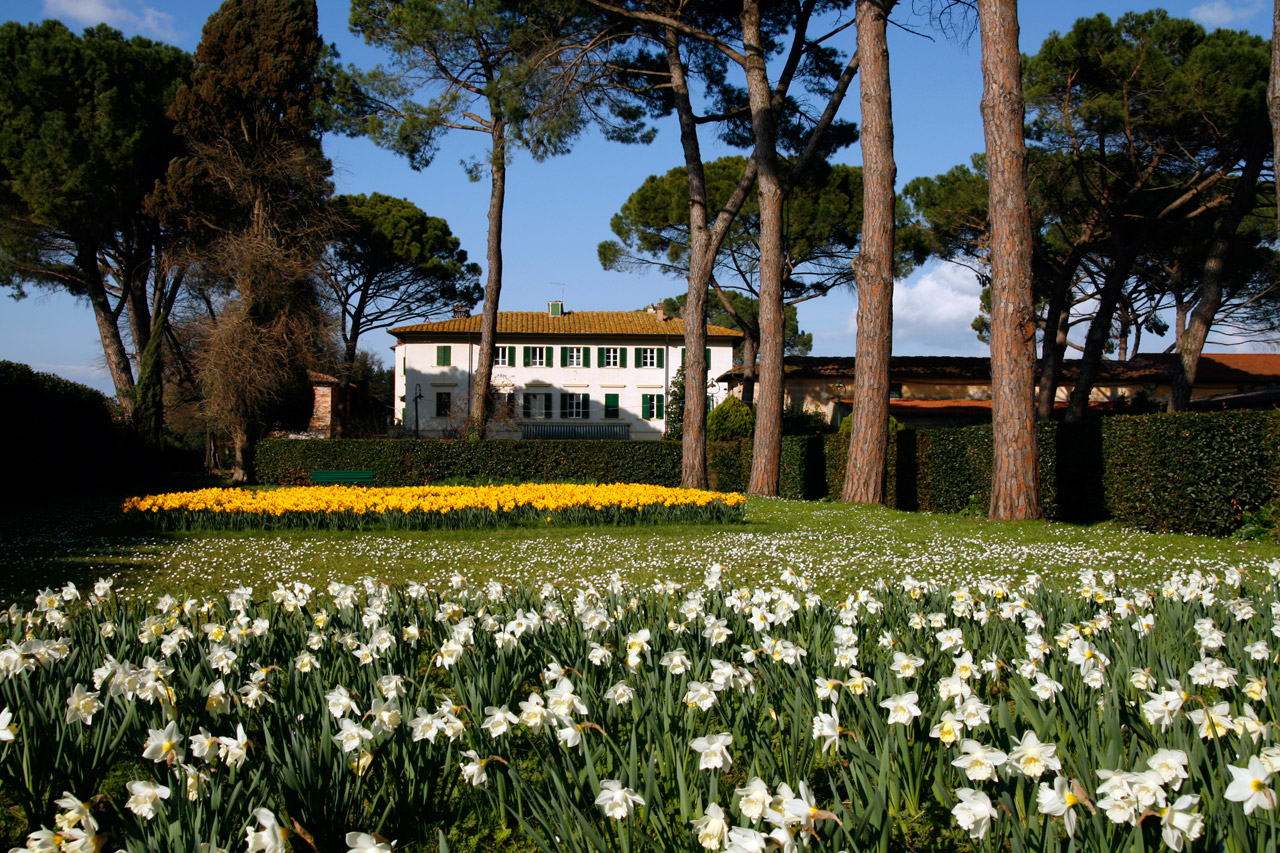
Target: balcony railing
{"type": "Point", "coordinates": [576, 431]}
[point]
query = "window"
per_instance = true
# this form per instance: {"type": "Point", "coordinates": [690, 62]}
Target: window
{"type": "Point", "coordinates": [444, 402]}
{"type": "Point", "coordinates": [504, 357]}
{"type": "Point", "coordinates": [443, 356]}
{"type": "Point", "coordinates": [651, 407]}
{"type": "Point", "coordinates": [574, 406]}
{"type": "Point", "coordinates": [504, 402]}
{"type": "Point", "coordinates": [536, 406]}
{"type": "Point", "coordinates": [575, 357]}
{"type": "Point", "coordinates": [538, 357]}
{"type": "Point", "coordinates": [610, 407]}
{"type": "Point", "coordinates": [649, 357]}
{"type": "Point", "coordinates": [611, 356]}
{"type": "Point", "coordinates": [708, 357]}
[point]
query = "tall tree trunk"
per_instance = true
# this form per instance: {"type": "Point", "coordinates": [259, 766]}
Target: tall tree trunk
{"type": "Point", "coordinates": [1015, 475]}
{"type": "Point", "coordinates": [1273, 92]}
{"type": "Point", "coordinates": [767, 446]}
{"type": "Point", "coordinates": [1058, 319]}
{"type": "Point", "coordinates": [479, 415]}
{"type": "Point", "coordinates": [1201, 318]}
{"type": "Point", "coordinates": [112, 344]}
{"type": "Point", "coordinates": [244, 441]}
{"type": "Point", "coordinates": [693, 474]}
{"type": "Point", "coordinates": [1095, 341]}
{"type": "Point", "coordinates": [873, 267]}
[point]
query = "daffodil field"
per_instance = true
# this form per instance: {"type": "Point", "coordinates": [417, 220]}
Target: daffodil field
{"type": "Point", "coordinates": [905, 716]}
{"type": "Point", "coordinates": [428, 507]}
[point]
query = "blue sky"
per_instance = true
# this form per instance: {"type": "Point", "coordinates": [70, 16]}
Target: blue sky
{"type": "Point", "coordinates": [559, 210]}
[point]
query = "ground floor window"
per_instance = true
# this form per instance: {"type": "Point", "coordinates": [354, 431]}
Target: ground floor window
{"type": "Point", "coordinates": [536, 406]}
{"type": "Point", "coordinates": [573, 406]}
{"type": "Point", "coordinates": [652, 407]}
{"type": "Point", "coordinates": [444, 404]}
{"type": "Point", "coordinates": [611, 406]}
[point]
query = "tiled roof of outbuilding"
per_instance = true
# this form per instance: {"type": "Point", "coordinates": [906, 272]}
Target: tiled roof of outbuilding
{"type": "Point", "coordinates": [576, 323]}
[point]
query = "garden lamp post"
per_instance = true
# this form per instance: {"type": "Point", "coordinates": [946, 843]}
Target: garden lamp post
{"type": "Point", "coordinates": [417, 395]}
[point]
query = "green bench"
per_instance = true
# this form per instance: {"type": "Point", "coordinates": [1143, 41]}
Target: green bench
{"type": "Point", "coordinates": [349, 477]}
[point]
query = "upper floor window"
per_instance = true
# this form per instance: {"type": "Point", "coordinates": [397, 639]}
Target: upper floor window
{"type": "Point", "coordinates": [575, 357]}
{"type": "Point", "coordinates": [612, 356]}
{"type": "Point", "coordinates": [444, 356]}
{"type": "Point", "coordinates": [649, 356]}
{"type": "Point", "coordinates": [504, 357]}
{"type": "Point", "coordinates": [538, 357]}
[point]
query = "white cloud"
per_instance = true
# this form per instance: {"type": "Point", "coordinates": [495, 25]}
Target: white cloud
{"type": "Point", "coordinates": [142, 20]}
{"type": "Point", "coordinates": [1225, 13]}
{"type": "Point", "coordinates": [933, 310]}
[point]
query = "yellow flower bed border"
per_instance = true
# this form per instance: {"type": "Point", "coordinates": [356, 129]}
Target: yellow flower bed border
{"type": "Point", "coordinates": [430, 507]}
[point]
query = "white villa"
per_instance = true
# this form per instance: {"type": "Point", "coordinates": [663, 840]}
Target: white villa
{"type": "Point", "coordinates": [559, 374]}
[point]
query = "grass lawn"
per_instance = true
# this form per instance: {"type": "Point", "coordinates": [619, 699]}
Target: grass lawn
{"type": "Point", "coordinates": [839, 548]}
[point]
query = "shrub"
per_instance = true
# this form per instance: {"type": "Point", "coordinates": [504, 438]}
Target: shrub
{"type": "Point", "coordinates": [796, 420]}
{"type": "Point", "coordinates": [416, 462]}
{"type": "Point", "coordinates": [1192, 473]}
{"type": "Point", "coordinates": [731, 420]}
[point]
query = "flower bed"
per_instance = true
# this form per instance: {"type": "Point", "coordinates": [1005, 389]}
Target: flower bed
{"type": "Point", "coordinates": [425, 507]}
{"type": "Point", "coordinates": [716, 717]}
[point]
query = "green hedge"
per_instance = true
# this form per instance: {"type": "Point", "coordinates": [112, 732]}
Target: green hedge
{"type": "Point", "coordinates": [415, 462]}
{"type": "Point", "coordinates": [1189, 473]}
{"type": "Point", "coordinates": [61, 436]}
{"type": "Point", "coordinates": [1194, 473]}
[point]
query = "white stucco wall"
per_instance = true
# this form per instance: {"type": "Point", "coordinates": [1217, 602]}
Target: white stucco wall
{"type": "Point", "coordinates": [416, 368]}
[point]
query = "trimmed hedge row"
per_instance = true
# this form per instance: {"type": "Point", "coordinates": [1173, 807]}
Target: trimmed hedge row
{"type": "Point", "coordinates": [1188, 473]}
{"type": "Point", "coordinates": [414, 462]}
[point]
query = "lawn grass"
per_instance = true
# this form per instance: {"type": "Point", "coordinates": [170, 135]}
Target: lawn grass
{"type": "Point", "coordinates": [839, 548]}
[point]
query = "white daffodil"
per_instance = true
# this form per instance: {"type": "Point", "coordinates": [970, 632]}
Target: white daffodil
{"type": "Point", "coordinates": [498, 721]}
{"type": "Point", "coordinates": [974, 812]}
{"type": "Point", "coordinates": [351, 736]}
{"type": "Point", "coordinates": [164, 744]}
{"type": "Point", "coordinates": [362, 842]}
{"type": "Point", "coordinates": [1249, 786]}
{"type": "Point", "coordinates": [474, 770]}
{"type": "Point", "coordinates": [979, 762]}
{"type": "Point", "coordinates": [143, 798]}
{"type": "Point", "coordinates": [1059, 800]}
{"type": "Point", "coordinates": [1171, 764]}
{"type": "Point", "coordinates": [712, 828]}
{"type": "Point", "coordinates": [618, 802]}
{"type": "Point", "coordinates": [620, 693]}
{"type": "Point", "coordinates": [714, 751]}
{"type": "Point", "coordinates": [902, 707]}
{"type": "Point", "coordinates": [755, 798]}
{"type": "Point", "coordinates": [82, 705]}
{"type": "Point", "coordinates": [1178, 824]}
{"type": "Point", "coordinates": [270, 838]}
{"type": "Point", "coordinates": [701, 695]}
{"type": "Point", "coordinates": [1032, 758]}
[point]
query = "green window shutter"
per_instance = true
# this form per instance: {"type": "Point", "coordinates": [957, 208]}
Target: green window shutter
{"type": "Point", "coordinates": [610, 405]}
{"type": "Point", "coordinates": [586, 406]}
{"type": "Point", "coordinates": [622, 356]}
{"type": "Point", "coordinates": [682, 356]}
{"type": "Point", "coordinates": [708, 358]}
{"type": "Point", "coordinates": [662, 351]}
{"type": "Point", "coordinates": [527, 356]}
{"type": "Point", "coordinates": [639, 362]}
{"type": "Point", "coordinates": [564, 405]}
{"type": "Point", "coordinates": [511, 356]}
{"type": "Point", "coordinates": [646, 406]}
{"type": "Point", "coordinates": [442, 356]}
{"type": "Point", "coordinates": [564, 356]}
{"type": "Point", "coordinates": [586, 356]}
{"type": "Point", "coordinates": [551, 356]}
{"type": "Point", "coordinates": [661, 413]}
{"type": "Point", "coordinates": [600, 356]}
{"type": "Point", "coordinates": [546, 405]}
{"type": "Point", "coordinates": [526, 405]}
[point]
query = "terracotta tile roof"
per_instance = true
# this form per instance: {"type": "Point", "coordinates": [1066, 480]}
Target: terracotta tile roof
{"type": "Point", "coordinates": [637, 323]}
{"type": "Point", "coordinates": [1231, 369]}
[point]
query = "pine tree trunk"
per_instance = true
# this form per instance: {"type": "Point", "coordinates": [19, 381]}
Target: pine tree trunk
{"type": "Point", "coordinates": [1201, 318]}
{"type": "Point", "coordinates": [1123, 256]}
{"type": "Point", "coordinates": [1058, 319]}
{"type": "Point", "coordinates": [873, 268]}
{"type": "Point", "coordinates": [1015, 477]}
{"type": "Point", "coordinates": [1273, 91]}
{"type": "Point", "coordinates": [112, 344]}
{"type": "Point", "coordinates": [693, 474]}
{"type": "Point", "coordinates": [478, 419]}
{"type": "Point", "coordinates": [767, 447]}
